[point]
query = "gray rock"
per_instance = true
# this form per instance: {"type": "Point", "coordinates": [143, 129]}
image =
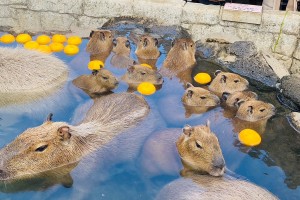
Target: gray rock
{"type": "Point", "coordinates": [255, 68]}
{"type": "Point", "coordinates": [242, 49]}
{"type": "Point", "coordinates": [290, 88]}
{"type": "Point", "coordinates": [294, 120]}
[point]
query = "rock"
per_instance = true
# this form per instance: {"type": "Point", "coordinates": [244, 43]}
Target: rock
{"type": "Point", "coordinates": [290, 88]}
{"type": "Point", "coordinates": [294, 120]}
{"type": "Point", "coordinates": [277, 67]}
{"type": "Point", "coordinates": [242, 49]}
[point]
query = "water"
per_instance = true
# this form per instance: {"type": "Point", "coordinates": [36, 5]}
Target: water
{"type": "Point", "coordinates": [113, 173]}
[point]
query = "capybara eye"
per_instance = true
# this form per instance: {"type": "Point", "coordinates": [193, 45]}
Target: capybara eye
{"type": "Point", "coordinates": [236, 81]}
{"type": "Point", "coordinates": [104, 77]}
{"type": "Point", "coordinates": [237, 99]}
{"type": "Point", "coordinates": [191, 45]}
{"type": "Point", "coordinates": [143, 73]}
{"type": "Point", "coordinates": [262, 110]}
{"type": "Point", "coordinates": [203, 97]}
{"type": "Point", "coordinates": [198, 145]}
{"type": "Point", "coordinates": [41, 148]}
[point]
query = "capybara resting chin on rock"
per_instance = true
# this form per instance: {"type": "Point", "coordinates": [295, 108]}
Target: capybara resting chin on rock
{"type": "Point", "coordinates": [55, 144]}
{"type": "Point", "coordinates": [203, 171]}
{"type": "Point", "coordinates": [100, 82]}
{"type": "Point", "coordinates": [28, 75]}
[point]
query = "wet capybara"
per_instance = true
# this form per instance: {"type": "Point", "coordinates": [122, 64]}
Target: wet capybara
{"type": "Point", "coordinates": [227, 82]}
{"type": "Point", "coordinates": [121, 48]}
{"type": "Point", "coordinates": [100, 82]}
{"type": "Point", "coordinates": [234, 99]}
{"type": "Point", "coordinates": [56, 144]}
{"type": "Point", "coordinates": [147, 50]}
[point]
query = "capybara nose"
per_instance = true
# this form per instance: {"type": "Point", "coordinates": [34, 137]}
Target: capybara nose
{"type": "Point", "coordinates": [219, 163]}
{"type": "Point", "coordinates": [159, 76]}
{"type": "Point", "coordinates": [116, 83]}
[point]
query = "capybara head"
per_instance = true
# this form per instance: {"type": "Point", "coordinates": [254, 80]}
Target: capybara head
{"type": "Point", "coordinates": [121, 46]}
{"type": "Point", "coordinates": [38, 149]}
{"type": "Point", "coordinates": [236, 98]}
{"type": "Point", "coordinates": [100, 41]}
{"type": "Point", "coordinates": [196, 96]}
{"type": "Point", "coordinates": [139, 73]}
{"type": "Point", "coordinates": [106, 79]}
{"type": "Point", "coordinates": [200, 151]}
{"type": "Point", "coordinates": [147, 47]}
{"type": "Point", "coordinates": [255, 110]}
{"type": "Point", "coordinates": [227, 82]}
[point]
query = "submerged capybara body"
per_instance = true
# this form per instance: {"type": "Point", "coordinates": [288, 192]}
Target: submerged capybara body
{"type": "Point", "coordinates": [121, 48]}
{"type": "Point", "coordinates": [98, 83]}
{"type": "Point", "coordinates": [180, 57]}
{"type": "Point", "coordinates": [100, 44]}
{"type": "Point", "coordinates": [203, 171]}
{"type": "Point", "coordinates": [137, 74]}
{"type": "Point", "coordinates": [147, 50]}
{"type": "Point", "coordinates": [28, 75]}
{"type": "Point", "coordinates": [227, 82]}
{"type": "Point", "coordinates": [55, 144]}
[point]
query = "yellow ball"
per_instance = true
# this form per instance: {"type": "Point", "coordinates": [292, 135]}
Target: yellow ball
{"type": "Point", "coordinates": [249, 137]}
{"type": "Point", "coordinates": [146, 88]}
{"type": "Point", "coordinates": [74, 40]}
{"type": "Point", "coordinates": [202, 78]}
{"type": "Point", "coordinates": [95, 65]}
{"type": "Point", "coordinates": [7, 38]}
{"type": "Point", "coordinates": [31, 45]}
{"type": "Point", "coordinates": [44, 49]}
{"type": "Point", "coordinates": [59, 38]}
{"type": "Point", "coordinates": [23, 38]}
{"type": "Point", "coordinates": [43, 39]}
{"type": "Point", "coordinates": [71, 50]}
{"type": "Point", "coordinates": [56, 47]}
{"type": "Point", "coordinates": [146, 65]}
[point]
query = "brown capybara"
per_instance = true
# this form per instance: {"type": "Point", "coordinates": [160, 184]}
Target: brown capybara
{"type": "Point", "coordinates": [121, 48]}
{"type": "Point", "coordinates": [100, 44]}
{"type": "Point", "coordinates": [180, 57]}
{"type": "Point", "coordinates": [255, 110]}
{"type": "Point", "coordinates": [227, 82]}
{"type": "Point", "coordinates": [196, 96]}
{"type": "Point", "coordinates": [29, 75]}
{"type": "Point", "coordinates": [138, 73]}
{"type": "Point", "coordinates": [234, 99]}
{"type": "Point", "coordinates": [56, 144]}
{"type": "Point", "coordinates": [100, 82]}
{"type": "Point", "coordinates": [147, 50]}
{"type": "Point", "coordinates": [203, 171]}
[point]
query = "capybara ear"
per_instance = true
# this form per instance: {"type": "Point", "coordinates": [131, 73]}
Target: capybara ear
{"type": "Point", "coordinates": [114, 42]}
{"type": "Point", "coordinates": [238, 103]}
{"type": "Point", "coordinates": [64, 133]}
{"type": "Point", "coordinates": [91, 34]}
{"type": "Point", "coordinates": [145, 42]}
{"type": "Point", "coordinates": [130, 69]}
{"type": "Point", "coordinates": [223, 79]}
{"type": "Point", "coordinates": [127, 44]}
{"type": "Point", "coordinates": [49, 117]}
{"type": "Point", "coordinates": [187, 130]}
{"type": "Point", "coordinates": [102, 36]}
{"type": "Point", "coordinates": [250, 109]}
{"type": "Point", "coordinates": [217, 72]}
{"type": "Point", "coordinates": [156, 41]}
{"type": "Point", "coordinates": [188, 85]}
{"type": "Point", "coordinates": [172, 43]}
{"type": "Point", "coordinates": [189, 93]}
{"type": "Point", "coordinates": [225, 96]}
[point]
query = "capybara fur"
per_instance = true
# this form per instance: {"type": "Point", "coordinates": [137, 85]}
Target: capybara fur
{"type": "Point", "coordinates": [137, 74]}
{"type": "Point", "coordinates": [100, 82]}
{"type": "Point", "coordinates": [196, 96]}
{"type": "Point", "coordinates": [121, 48]}
{"type": "Point", "coordinates": [29, 75]}
{"type": "Point", "coordinates": [255, 110]}
{"type": "Point", "coordinates": [56, 144]}
{"type": "Point", "coordinates": [180, 57]}
{"type": "Point", "coordinates": [227, 82]}
{"type": "Point", "coordinates": [100, 44]}
{"type": "Point", "coordinates": [234, 99]}
{"type": "Point", "coordinates": [147, 50]}
{"type": "Point", "coordinates": [203, 171]}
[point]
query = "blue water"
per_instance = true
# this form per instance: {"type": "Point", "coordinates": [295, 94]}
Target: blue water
{"type": "Point", "coordinates": [274, 164]}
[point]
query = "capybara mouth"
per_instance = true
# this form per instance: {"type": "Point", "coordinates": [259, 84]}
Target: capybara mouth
{"type": "Point", "coordinates": [217, 171]}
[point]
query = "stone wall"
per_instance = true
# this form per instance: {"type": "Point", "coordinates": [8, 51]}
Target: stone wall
{"type": "Point", "coordinates": [201, 21]}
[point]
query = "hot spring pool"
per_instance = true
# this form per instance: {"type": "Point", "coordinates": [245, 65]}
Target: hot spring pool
{"type": "Point", "coordinates": [274, 164]}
